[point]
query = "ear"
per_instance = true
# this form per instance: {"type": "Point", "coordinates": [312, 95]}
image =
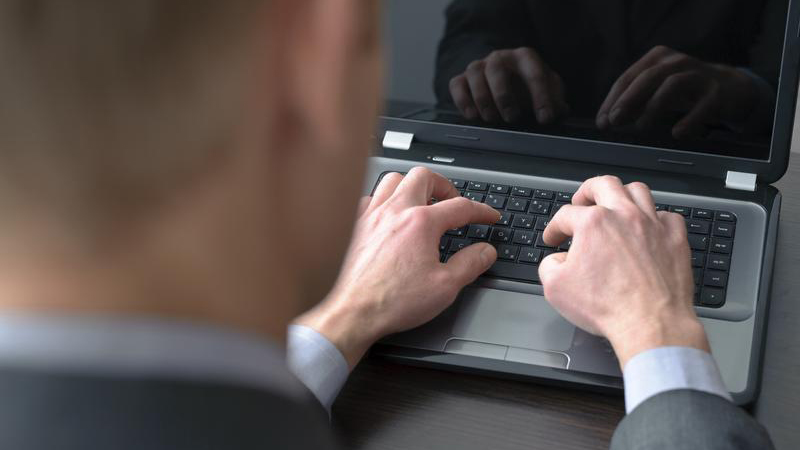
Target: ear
{"type": "Point", "coordinates": [321, 46]}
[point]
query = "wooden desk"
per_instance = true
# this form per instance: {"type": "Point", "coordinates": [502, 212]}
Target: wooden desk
{"type": "Point", "coordinates": [386, 406]}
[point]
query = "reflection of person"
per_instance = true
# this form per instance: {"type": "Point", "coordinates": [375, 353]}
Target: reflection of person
{"type": "Point", "coordinates": [679, 66]}
{"type": "Point", "coordinates": [161, 232]}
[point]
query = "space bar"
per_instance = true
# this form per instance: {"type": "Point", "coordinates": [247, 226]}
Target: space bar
{"type": "Point", "coordinates": [521, 272]}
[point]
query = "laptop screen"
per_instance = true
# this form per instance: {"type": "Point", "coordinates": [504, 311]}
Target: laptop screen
{"type": "Point", "coordinates": [698, 76]}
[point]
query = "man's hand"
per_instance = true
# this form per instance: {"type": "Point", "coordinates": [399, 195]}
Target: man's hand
{"type": "Point", "coordinates": [671, 90]}
{"type": "Point", "coordinates": [627, 275]}
{"type": "Point", "coordinates": [392, 279]}
{"type": "Point", "coordinates": [508, 84]}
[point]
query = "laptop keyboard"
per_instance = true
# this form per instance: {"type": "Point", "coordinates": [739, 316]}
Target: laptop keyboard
{"type": "Point", "coordinates": [526, 211]}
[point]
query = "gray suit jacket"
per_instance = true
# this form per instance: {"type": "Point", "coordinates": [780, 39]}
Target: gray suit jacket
{"type": "Point", "coordinates": [46, 411]}
{"type": "Point", "coordinates": [679, 420]}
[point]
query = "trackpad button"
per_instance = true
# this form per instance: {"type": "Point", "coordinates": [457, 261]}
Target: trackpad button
{"type": "Point", "coordinates": [510, 318]}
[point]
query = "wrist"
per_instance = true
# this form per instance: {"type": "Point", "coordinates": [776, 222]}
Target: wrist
{"type": "Point", "coordinates": [346, 327]}
{"type": "Point", "coordinates": [666, 331]}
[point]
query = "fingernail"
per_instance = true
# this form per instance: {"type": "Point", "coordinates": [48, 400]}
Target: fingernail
{"type": "Point", "coordinates": [544, 115]}
{"type": "Point", "coordinates": [602, 121]}
{"type": "Point", "coordinates": [614, 117]}
{"type": "Point", "coordinates": [488, 255]}
{"type": "Point", "coordinates": [470, 113]}
{"type": "Point", "coordinates": [510, 114]}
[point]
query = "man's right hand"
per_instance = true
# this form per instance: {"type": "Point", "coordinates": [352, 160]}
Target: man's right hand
{"type": "Point", "coordinates": [627, 275]}
{"type": "Point", "coordinates": [508, 84]}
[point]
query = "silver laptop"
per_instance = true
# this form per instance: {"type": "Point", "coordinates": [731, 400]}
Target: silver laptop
{"type": "Point", "coordinates": [719, 176]}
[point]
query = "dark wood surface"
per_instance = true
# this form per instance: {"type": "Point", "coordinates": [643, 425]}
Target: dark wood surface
{"type": "Point", "coordinates": [388, 406]}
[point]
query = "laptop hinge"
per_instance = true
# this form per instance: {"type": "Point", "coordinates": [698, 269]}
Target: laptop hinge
{"type": "Point", "coordinates": [398, 141]}
{"type": "Point", "coordinates": [741, 181]}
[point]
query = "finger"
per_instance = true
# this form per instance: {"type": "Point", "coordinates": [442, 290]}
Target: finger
{"type": "Point", "coordinates": [468, 264]}
{"type": "Point", "coordinates": [550, 268]}
{"type": "Point", "coordinates": [605, 191]}
{"type": "Point", "coordinates": [632, 102]}
{"type": "Point", "coordinates": [694, 124]}
{"type": "Point", "coordinates": [679, 92]}
{"type": "Point", "coordinates": [481, 94]}
{"type": "Point", "coordinates": [535, 74]}
{"type": "Point", "coordinates": [459, 90]}
{"type": "Point", "coordinates": [385, 189]}
{"type": "Point", "coordinates": [457, 212]}
{"type": "Point", "coordinates": [363, 204]}
{"type": "Point", "coordinates": [499, 80]}
{"type": "Point", "coordinates": [421, 184]}
{"type": "Point", "coordinates": [641, 195]}
{"type": "Point", "coordinates": [625, 80]}
{"type": "Point", "coordinates": [562, 226]}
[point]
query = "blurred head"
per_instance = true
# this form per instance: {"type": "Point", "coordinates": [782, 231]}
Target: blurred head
{"type": "Point", "coordinates": [223, 139]}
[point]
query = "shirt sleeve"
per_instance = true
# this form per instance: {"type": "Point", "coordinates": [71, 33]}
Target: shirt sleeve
{"type": "Point", "coordinates": [670, 368]}
{"type": "Point", "coordinates": [317, 363]}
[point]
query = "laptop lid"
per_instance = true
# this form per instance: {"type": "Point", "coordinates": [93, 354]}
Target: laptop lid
{"type": "Point", "coordinates": [705, 88]}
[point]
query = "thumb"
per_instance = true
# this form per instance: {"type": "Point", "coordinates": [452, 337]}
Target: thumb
{"type": "Point", "coordinates": [468, 264]}
{"type": "Point", "coordinates": [551, 266]}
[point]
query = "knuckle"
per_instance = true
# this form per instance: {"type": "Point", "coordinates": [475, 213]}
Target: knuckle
{"type": "Point", "coordinates": [596, 215]}
{"type": "Point", "coordinates": [457, 82]}
{"type": "Point", "coordinates": [476, 67]}
{"type": "Point", "coordinates": [420, 171]}
{"type": "Point", "coordinates": [639, 186]}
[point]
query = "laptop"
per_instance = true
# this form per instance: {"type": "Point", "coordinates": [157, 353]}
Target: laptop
{"type": "Point", "coordinates": [719, 180]}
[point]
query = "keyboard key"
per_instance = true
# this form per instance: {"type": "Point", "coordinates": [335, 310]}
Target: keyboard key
{"type": "Point", "coordinates": [698, 259]}
{"type": "Point", "coordinates": [699, 213]}
{"type": "Point", "coordinates": [541, 223]}
{"type": "Point", "coordinates": [530, 255]}
{"type": "Point", "coordinates": [719, 262]}
{"type": "Point", "coordinates": [519, 272]}
{"type": "Point", "coordinates": [518, 204]}
{"type": "Point", "coordinates": [698, 226]}
{"type": "Point", "coordinates": [547, 252]}
{"type": "Point", "coordinates": [564, 197]}
{"type": "Point", "coordinates": [682, 210]}
{"type": "Point", "coordinates": [480, 232]}
{"type": "Point", "coordinates": [523, 221]}
{"type": "Point", "coordinates": [724, 216]}
{"type": "Point", "coordinates": [723, 229]}
{"type": "Point", "coordinates": [505, 219]}
{"type": "Point", "coordinates": [540, 242]}
{"type": "Point", "coordinates": [459, 232]}
{"type": "Point", "coordinates": [496, 201]}
{"type": "Point", "coordinates": [444, 241]}
{"type": "Point", "coordinates": [660, 207]}
{"type": "Point", "coordinates": [524, 238]}
{"type": "Point", "coordinates": [474, 196]}
{"type": "Point", "coordinates": [521, 192]}
{"type": "Point", "coordinates": [499, 189]}
{"type": "Point", "coordinates": [546, 195]}
{"type": "Point", "coordinates": [501, 235]}
{"type": "Point", "coordinates": [564, 247]}
{"type": "Point", "coordinates": [458, 244]}
{"type": "Point", "coordinates": [540, 207]}
{"type": "Point", "coordinates": [556, 207]}
{"type": "Point", "coordinates": [507, 252]}
{"type": "Point", "coordinates": [698, 242]}
{"type": "Point", "coordinates": [712, 297]}
{"type": "Point", "coordinates": [721, 246]}
{"type": "Point", "coordinates": [477, 186]}
{"type": "Point", "coordinates": [459, 184]}
{"type": "Point", "coordinates": [715, 279]}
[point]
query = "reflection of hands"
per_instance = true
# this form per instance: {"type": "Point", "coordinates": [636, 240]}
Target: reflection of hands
{"type": "Point", "coordinates": [392, 279]}
{"type": "Point", "coordinates": [508, 83]}
{"type": "Point", "coordinates": [627, 274]}
{"type": "Point", "coordinates": [666, 88]}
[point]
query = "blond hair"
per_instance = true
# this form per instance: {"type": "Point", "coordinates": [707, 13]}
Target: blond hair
{"type": "Point", "coordinates": [109, 101]}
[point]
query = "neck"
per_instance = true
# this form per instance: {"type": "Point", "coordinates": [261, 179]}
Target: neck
{"type": "Point", "coordinates": [177, 266]}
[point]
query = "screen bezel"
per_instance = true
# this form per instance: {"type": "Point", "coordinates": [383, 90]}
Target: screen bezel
{"type": "Point", "coordinates": [629, 155]}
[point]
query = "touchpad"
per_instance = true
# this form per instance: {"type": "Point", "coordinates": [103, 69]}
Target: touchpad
{"type": "Point", "coordinates": [511, 318]}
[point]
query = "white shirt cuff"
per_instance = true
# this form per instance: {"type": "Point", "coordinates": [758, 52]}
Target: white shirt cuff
{"type": "Point", "coordinates": [665, 369]}
{"type": "Point", "coordinates": [317, 363]}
